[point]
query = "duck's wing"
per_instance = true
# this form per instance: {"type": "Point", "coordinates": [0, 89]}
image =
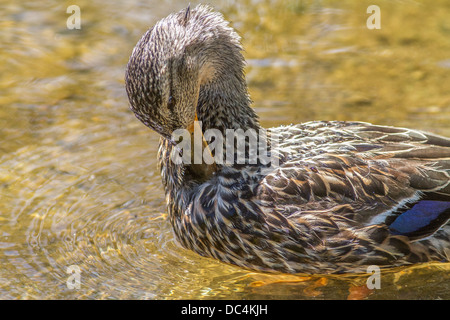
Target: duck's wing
{"type": "Point", "coordinates": [368, 175]}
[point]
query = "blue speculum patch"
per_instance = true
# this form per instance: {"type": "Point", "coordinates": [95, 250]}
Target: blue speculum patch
{"type": "Point", "coordinates": [423, 214]}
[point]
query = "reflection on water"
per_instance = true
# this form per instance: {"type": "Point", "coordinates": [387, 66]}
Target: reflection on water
{"type": "Point", "coordinates": [78, 178]}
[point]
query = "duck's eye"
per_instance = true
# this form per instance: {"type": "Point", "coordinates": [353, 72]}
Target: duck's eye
{"type": "Point", "coordinates": [171, 103]}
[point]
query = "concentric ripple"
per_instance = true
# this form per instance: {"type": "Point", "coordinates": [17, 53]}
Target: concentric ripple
{"type": "Point", "coordinates": [66, 211]}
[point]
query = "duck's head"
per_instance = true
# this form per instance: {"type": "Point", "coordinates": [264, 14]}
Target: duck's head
{"type": "Point", "coordinates": [173, 61]}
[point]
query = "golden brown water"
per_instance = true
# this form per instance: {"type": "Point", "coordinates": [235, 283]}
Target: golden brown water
{"type": "Point", "coordinates": [78, 179]}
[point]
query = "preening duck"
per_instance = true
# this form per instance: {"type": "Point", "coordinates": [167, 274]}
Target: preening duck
{"type": "Point", "coordinates": [342, 196]}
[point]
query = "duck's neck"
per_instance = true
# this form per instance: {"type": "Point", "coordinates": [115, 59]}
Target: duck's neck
{"type": "Point", "coordinates": [224, 103]}
{"type": "Point", "coordinates": [223, 100]}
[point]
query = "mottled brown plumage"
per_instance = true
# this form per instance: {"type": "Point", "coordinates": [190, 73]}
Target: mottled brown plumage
{"type": "Point", "coordinates": [334, 202]}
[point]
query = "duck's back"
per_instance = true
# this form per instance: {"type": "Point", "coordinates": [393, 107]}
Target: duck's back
{"type": "Point", "coordinates": [364, 189]}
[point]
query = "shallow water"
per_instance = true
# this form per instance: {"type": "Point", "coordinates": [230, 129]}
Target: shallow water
{"type": "Point", "coordinates": [78, 180]}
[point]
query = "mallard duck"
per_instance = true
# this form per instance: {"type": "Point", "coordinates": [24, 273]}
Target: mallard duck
{"type": "Point", "coordinates": [343, 195]}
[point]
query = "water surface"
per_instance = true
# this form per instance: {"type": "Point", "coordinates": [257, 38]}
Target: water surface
{"type": "Point", "coordinates": [78, 178]}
